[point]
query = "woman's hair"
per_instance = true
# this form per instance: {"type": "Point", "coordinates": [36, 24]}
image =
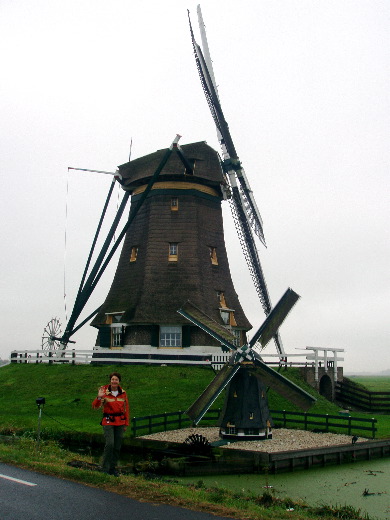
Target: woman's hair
{"type": "Point", "coordinates": [117, 374]}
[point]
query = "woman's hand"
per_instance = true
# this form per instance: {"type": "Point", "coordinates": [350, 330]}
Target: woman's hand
{"type": "Point", "coordinates": [101, 392]}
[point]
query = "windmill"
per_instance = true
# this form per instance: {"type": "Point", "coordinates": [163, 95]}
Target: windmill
{"type": "Point", "coordinates": [245, 213]}
{"type": "Point", "coordinates": [164, 259]}
{"type": "Point", "coordinates": [245, 414]}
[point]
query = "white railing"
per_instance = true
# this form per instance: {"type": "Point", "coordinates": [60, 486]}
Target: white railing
{"type": "Point", "coordinates": [328, 359]}
{"type": "Point", "coordinates": [82, 357]}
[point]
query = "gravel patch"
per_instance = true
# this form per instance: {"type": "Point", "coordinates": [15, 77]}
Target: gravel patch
{"type": "Point", "coordinates": [282, 439]}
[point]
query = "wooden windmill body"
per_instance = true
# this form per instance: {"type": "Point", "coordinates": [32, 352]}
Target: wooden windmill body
{"type": "Point", "coordinates": [245, 413]}
{"type": "Point", "coordinates": [173, 251]}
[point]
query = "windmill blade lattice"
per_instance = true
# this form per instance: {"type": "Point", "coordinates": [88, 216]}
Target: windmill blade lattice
{"type": "Point", "coordinates": [245, 213]}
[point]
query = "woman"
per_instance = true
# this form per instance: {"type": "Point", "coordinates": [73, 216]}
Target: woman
{"type": "Point", "coordinates": [115, 420]}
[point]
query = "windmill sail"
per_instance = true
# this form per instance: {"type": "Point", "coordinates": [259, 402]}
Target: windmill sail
{"type": "Point", "coordinates": [275, 318]}
{"type": "Point", "coordinates": [204, 322]}
{"type": "Point", "coordinates": [245, 213]}
{"type": "Point", "coordinates": [210, 394]}
{"type": "Point", "coordinates": [281, 384]}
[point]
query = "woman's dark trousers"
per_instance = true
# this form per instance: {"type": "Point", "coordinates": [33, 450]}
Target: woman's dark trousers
{"type": "Point", "coordinates": [113, 436]}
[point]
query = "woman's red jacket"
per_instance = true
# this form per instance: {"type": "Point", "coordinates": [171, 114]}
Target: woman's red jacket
{"type": "Point", "coordinates": [115, 409]}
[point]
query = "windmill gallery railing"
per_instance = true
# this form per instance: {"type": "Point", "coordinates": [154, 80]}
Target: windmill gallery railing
{"type": "Point", "coordinates": [282, 419]}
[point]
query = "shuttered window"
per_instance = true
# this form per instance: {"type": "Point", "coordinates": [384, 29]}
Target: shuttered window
{"type": "Point", "coordinates": [213, 256]}
{"type": "Point", "coordinates": [133, 254]}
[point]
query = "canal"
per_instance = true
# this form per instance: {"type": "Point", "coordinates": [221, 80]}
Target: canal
{"type": "Point", "coordinates": [363, 485]}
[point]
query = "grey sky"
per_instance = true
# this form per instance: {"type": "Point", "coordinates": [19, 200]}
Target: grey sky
{"type": "Point", "coordinates": [304, 86]}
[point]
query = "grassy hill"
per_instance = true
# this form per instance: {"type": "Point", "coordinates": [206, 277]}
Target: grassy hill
{"type": "Point", "coordinates": [70, 389]}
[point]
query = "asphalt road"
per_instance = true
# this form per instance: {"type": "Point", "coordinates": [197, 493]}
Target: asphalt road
{"type": "Point", "coordinates": [26, 495]}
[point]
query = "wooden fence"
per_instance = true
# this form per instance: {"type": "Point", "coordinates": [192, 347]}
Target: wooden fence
{"type": "Point", "coordinates": [282, 419]}
{"type": "Point", "coordinates": [351, 394]}
{"type": "Point", "coordinates": [324, 423]}
{"type": "Point", "coordinates": [169, 421]}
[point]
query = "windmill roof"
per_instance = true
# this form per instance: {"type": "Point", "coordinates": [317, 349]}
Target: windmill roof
{"type": "Point", "coordinates": [207, 167]}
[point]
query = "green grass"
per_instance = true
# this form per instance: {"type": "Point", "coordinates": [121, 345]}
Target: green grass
{"type": "Point", "coordinates": [151, 390]}
{"type": "Point", "coordinates": [373, 383]}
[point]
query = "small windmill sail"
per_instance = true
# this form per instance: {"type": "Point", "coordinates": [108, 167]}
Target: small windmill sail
{"type": "Point", "coordinates": [245, 213]}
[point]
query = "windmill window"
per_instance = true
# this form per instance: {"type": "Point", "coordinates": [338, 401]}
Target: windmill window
{"type": "Point", "coordinates": [170, 336]}
{"type": "Point", "coordinates": [222, 301]}
{"type": "Point", "coordinates": [133, 254]}
{"type": "Point", "coordinates": [173, 252]}
{"type": "Point", "coordinates": [116, 336]}
{"type": "Point", "coordinates": [231, 430]}
{"type": "Point", "coordinates": [174, 204]}
{"type": "Point", "coordinates": [213, 255]}
{"type": "Point", "coordinates": [237, 337]}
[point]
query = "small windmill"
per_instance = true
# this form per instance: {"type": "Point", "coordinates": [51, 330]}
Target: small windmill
{"type": "Point", "coordinates": [245, 413]}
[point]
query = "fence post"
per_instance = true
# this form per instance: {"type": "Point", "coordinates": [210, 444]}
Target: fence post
{"type": "Point", "coordinates": [327, 422]}
{"type": "Point", "coordinates": [305, 423]}
{"type": "Point", "coordinates": [165, 421]}
{"type": "Point", "coordinates": [373, 421]}
{"type": "Point", "coordinates": [284, 418]}
{"type": "Point", "coordinates": [133, 425]}
{"type": "Point", "coordinates": [349, 425]}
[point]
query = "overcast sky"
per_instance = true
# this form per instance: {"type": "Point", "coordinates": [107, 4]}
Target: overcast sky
{"type": "Point", "coordinates": [304, 86]}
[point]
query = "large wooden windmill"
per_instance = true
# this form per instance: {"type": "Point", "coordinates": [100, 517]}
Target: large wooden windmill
{"type": "Point", "coordinates": [174, 248]}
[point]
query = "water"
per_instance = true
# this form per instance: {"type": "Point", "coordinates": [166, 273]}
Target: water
{"type": "Point", "coordinates": [332, 485]}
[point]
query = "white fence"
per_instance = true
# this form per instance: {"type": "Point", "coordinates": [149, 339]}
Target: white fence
{"type": "Point", "coordinates": [79, 357]}
{"type": "Point", "coordinates": [316, 357]}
